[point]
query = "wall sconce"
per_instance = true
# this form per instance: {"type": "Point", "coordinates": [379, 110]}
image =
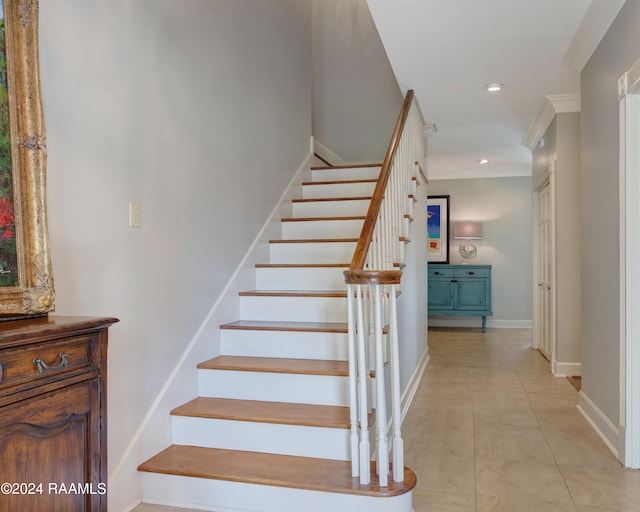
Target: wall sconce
{"type": "Point", "coordinates": [467, 231]}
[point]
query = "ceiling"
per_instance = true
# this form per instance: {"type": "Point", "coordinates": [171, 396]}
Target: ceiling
{"type": "Point", "coordinates": [448, 50]}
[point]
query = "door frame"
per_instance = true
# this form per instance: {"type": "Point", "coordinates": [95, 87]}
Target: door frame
{"type": "Point", "coordinates": [629, 179]}
{"type": "Point", "coordinates": [546, 177]}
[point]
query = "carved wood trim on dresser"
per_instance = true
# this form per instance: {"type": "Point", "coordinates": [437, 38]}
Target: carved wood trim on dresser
{"type": "Point", "coordinates": [53, 414]}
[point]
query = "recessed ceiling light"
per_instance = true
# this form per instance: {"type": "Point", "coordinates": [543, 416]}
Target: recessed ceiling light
{"type": "Point", "coordinates": [494, 86]}
{"type": "Point", "coordinates": [483, 161]}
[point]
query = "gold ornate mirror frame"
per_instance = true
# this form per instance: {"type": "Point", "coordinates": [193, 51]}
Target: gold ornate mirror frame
{"type": "Point", "coordinates": [26, 278]}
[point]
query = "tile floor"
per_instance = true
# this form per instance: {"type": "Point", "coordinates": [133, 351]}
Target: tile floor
{"type": "Point", "coordinates": [491, 429]}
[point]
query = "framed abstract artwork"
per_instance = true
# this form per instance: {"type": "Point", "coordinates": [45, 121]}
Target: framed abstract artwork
{"type": "Point", "coordinates": [438, 229]}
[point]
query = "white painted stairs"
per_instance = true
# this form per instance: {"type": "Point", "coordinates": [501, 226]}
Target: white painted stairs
{"type": "Point", "coordinates": [269, 431]}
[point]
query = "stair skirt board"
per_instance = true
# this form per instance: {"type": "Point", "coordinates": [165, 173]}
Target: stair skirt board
{"type": "Point", "coordinates": [227, 496]}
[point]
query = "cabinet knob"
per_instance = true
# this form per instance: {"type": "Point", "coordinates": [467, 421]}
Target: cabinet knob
{"type": "Point", "coordinates": [436, 273]}
{"type": "Point", "coordinates": [471, 273]}
{"type": "Point", "coordinates": [454, 280]}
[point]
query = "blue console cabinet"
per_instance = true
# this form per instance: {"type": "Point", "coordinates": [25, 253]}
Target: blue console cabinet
{"type": "Point", "coordinates": [461, 290]}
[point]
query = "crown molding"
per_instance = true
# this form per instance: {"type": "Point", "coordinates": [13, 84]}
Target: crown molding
{"type": "Point", "coordinates": [597, 20]}
{"type": "Point", "coordinates": [470, 174]}
{"type": "Point", "coordinates": [552, 105]}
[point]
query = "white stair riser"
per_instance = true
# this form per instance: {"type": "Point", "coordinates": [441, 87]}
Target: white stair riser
{"type": "Point", "coordinates": [224, 496]}
{"type": "Point", "coordinates": [294, 344]}
{"type": "Point", "coordinates": [358, 173]}
{"type": "Point", "coordinates": [309, 278]}
{"type": "Point", "coordinates": [305, 229]}
{"type": "Point", "coordinates": [302, 441]}
{"type": "Point", "coordinates": [331, 208]}
{"type": "Point", "coordinates": [311, 252]}
{"type": "Point", "coordinates": [301, 309]}
{"type": "Point", "coordinates": [364, 189]}
{"type": "Point", "coordinates": [274, 387]}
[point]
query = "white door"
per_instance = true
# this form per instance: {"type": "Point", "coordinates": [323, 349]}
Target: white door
{"type": "Point", "coordinates": [544, 271]}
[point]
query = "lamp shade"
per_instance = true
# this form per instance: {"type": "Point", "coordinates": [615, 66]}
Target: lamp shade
{"type": "Point", "coordinates": [467, 230]}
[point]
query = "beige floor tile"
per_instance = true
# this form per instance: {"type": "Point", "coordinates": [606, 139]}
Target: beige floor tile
{"type": "Point", "coordinates": [581, 449]}
{"type": "Point", "coordinates": [506, 420]}
{"type": "Point", "coordinates": [502, 504]}
{"type": "Point", "coordinates": [515, 446]}
{"type": "Point", "coordinates": [559, 419]}
{"type": "Point", "coordinates": [521, 480]}
{"type": "Point", "coordinates": [601, 487]}
{"type": "Point", "coordinates": [431, 501]}
{"type": "Point", "coordinates": [449, 441]}
{"type": "Point", "coordinates": [589, 508]}
{"type": "Point", "coordinates": [445, 473]}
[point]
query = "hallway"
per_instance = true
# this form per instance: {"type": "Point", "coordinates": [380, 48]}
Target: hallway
{"type": "Point", "coordinates": [491, 429]}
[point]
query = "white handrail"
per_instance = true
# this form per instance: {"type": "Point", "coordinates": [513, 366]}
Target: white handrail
{"type": "Point", "coordinates": [373, 283]}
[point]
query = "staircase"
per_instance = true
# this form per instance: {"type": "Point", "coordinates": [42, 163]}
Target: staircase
{"type": "Point", "coordinates": [270, 431]}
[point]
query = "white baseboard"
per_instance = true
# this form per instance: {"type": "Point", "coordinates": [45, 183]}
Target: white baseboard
{"type": "Point", "coordinates": [326, 154]}
{"type": "Point", "coordinates": [566, 369]}
{"type": "Point", "coordinates": [414, 383]}
{"type": "Point", "coordinates": [603, 426]}
{"type": "Point", "coordinates": [476, 321]}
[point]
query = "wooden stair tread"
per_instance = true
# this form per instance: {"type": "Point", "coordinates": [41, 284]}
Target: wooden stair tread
{"type": "Point", "coordinates": [258, 325]}
{"type": "Point", "coordinates": [294, 293]}
{"type": "Point", "coordinates": [313, 219]}
{"type": "Point", "coordinates": [311, 240]}
{"type": "Point", "coordinates": [302, 265]}
{"type": "Point", "coordinates": [350, 166]}
{"type": "Point", "coordinates": [266, 412]}
{"type": "Point", "coordinates": [315, 199]}
{"type": "Point", "coordinates": [312, 474]}
{"type": "Point", "coordinates": [266, 325]}
{"type": "Point", "coordinates": [278, 365]}
{"type": "Point", "coordinates": [338, 182]}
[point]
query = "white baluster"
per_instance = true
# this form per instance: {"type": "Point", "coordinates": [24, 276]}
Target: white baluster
{"type": "Point", "coordinates": [364, 450]}
{"type": "Point", "coordinates": [353, 384]}
{"type": "Point", "coordinates": [397, 443]}
{"type": "Point", "coordinates": [381, 405]}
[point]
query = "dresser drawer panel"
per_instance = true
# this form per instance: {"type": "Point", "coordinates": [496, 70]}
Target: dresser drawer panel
{"type": "Point", "coordinates": [440, 272]}
{"type": "Point", "coordinates": [23, 365]}
{"type": "Point", "coordinates": [471, 272]}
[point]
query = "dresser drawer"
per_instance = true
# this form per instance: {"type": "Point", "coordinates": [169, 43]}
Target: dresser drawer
{"type": "Point", "coordinates": [440, 272]}
{"type": "Point", "coordinates": [22, 366]}
{"type": "Point", "coordinates": [471, 272]}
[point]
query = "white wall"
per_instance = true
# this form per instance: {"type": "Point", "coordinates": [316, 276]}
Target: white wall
{"type": "Point", "coordinates": [617, 52]}
{"type": "Point", "coordinates": [356, 97]}
{"type": "Point", "coordinates": [201, 112]}
{"type": "Point", "coordinates": [503, 205]}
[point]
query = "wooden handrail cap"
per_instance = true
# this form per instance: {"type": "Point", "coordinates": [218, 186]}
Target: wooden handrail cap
{"type": "Point", "coordinates": [358, 276]}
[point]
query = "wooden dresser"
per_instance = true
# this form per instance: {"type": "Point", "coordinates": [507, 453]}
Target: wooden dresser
{"type": "Point", "coordinates": [461, 290]}
{"type": "Point", "coordinates": [53, 414]}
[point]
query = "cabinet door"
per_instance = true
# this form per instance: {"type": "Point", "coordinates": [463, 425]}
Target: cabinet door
{"type": "Point", "coordinates": [440, 294]}
{"type": "Point", "coordinates": [471, 294]}
{"type": "Point", "coordinates": [50, 438]}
